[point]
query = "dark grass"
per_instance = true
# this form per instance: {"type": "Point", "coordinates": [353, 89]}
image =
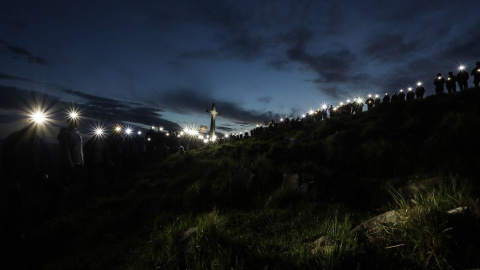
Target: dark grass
{"type": "Point", "coordinates": [351, 164]}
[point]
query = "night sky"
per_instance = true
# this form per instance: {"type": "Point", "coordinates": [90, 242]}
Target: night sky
{"type": "Point", "coordinates": [165, 62]}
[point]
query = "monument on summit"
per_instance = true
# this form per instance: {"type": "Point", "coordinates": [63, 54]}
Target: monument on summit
{"type": "Point", "coordinates": [213, 112]}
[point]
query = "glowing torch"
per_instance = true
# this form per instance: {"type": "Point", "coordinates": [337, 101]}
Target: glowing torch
{"type": "Point", "coordinates": [38, 117]}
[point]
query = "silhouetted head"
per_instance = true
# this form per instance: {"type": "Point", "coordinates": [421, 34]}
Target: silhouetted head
{"type": "Point", "coordinates": [439, 74]}
{"type": "Point", "coordinates": [72, 123]}
{"type": "Point", "coordinates": [478, 64]}
{"type": "Point", "coordinates": [450, 73]}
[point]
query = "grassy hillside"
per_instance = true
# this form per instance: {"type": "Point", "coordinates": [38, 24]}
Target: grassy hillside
{"type": "Point", "coordinates": [264, 202]}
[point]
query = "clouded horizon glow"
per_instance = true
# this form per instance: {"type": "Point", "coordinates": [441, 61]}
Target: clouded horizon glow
{"type": "Point", "coordinates": [164, 63]}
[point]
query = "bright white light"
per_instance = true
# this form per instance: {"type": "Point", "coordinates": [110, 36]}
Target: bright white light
{"type": "Point", "coordinates": [200, 137]}
{"type": "Point", "coordinates": [281, 119]}
{"type": "Point", "coordinates": [161, 128]}
{"type": "Point", "coordinates": [118, 129]}
{"type": "Point", "coordinates": [38, 117]}
{"type": "Point", "coordinates": [341, 103]}
{"type": "Point", "coordinates": [226, 136]}
{"type": "Point", "coordinates": [73, 114]}
{"type": "Point", "coordinates": [168, 134]}
{"type": "Point", "coordinates": [419, 83]}
{"type": "Point", "coordinates": [214, 138]}
{"type": "Point", "coordinates": [99, 131]}
{"type": "Point", "coordinates": [303, 115]}
{"type": "Point", "coordinates": [461, 67]}
{"type": "Point", "coordinates": [128, 131]}
{"type": "Point", "coordinates": [409, 88]}
{"type": "Point", "coordinates": [139, 133]}
{"type": "Point", "coordinates": [376, 96]}
{"type": "Point", "coordinates": [401, 90]}
{"type": "Point", "coordinates": [369, 95]}
{"type": "Point", "coordinates": [324, 106]}
{"type": "Point", "coordinates": [439, 77]}
{"type": "Point", "coordinates": [348, 100]}
{"type": "Point", "coordinates": [153, 127]}
{"type": "Point", "coordinates": [148, 139]}
{"type": "Point", "coordinates": [205, 140]}
{"type": "Point", "coordinates": [310, 112]}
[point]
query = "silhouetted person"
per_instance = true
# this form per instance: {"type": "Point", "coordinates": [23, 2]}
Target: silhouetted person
{"type": "Point", "coordinates": [451, 83]}
{"type": "Point", "coordinates": [150, 143]}
{"type": "Point", "coordinates": [439, 82]}
{"type": "Point", "coordinates": [420, 91]}
{"type": "Point", "coordinates": [31, 193]}
{"type": "Point", "coordinates": [115, 146]}
{"type": "Point", "coordinates": [386, 98]}
{"type": "Point", "coordinates": [331, 111]}
{"type": "Point", "coordinates": [129, 153]}
{"type": "Point", "coordinates": [476, 75]}
{"type": "Point", "coordinates": [462, 78]}
{"type": "Point", "coordinates": [377, 100]}
{"type": "Point", "coordinates": [401, 96]}
{"type": "Point", "coordinates": [394, 97]}
{"type": "Point", "coordinates": [410, 95]}
{"type": "Point", "coordinates": [71, 152]}
{"type": "Point", "coordinates": [97, 161]}
{"type": "Point", "coordinates": [370, 102]}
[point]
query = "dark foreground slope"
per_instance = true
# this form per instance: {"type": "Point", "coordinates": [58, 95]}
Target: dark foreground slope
{"type": "Point", "coordinates": [290, 199]}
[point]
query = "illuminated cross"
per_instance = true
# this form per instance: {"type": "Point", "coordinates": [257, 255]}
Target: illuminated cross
{"type": "Point", "coordinates": [213, 113]}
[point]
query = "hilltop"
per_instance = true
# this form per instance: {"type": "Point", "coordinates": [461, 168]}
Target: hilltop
{"type": "Point", "coordinates": [291, 198]}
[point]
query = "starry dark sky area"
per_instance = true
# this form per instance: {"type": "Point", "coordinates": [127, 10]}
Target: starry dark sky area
{"type": "Point", "coordinates": [165, 62]}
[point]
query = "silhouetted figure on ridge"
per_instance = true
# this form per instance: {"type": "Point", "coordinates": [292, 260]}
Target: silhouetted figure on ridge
{"type": "Point", "coordinates": [377, 100]}
{"type": "Point", "coordinates": [97, 161]}
{"type": "Point", "coordinates": [71, 151]}
{"type": "Point", "coordinates": [462, 78]}
{"type": "Point", "coordinates": [401, 96]}
{"type": "Point", "coordinates": [386, 98]}
{"type": "Point", "coordinates": [451, 83]}
{"type": "Point", "coordinates": [410, 95]}
{"type": "Point", "coordinates": [439, 82]}
{"type": "Point", "coordinates": [420, 91]}
{"type": "Point", "coordinates": [31, 193]}
{"type": "Point", "coordinates": [394, 97]}
{"type": "Point", "coordinates": [370, 102]}
{"type": "Point", "coordinates": [476, 75]}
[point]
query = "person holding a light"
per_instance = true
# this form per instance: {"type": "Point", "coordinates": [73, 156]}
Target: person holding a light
{"type": "Point", "coordinates": [439, 82]}
{"type": "Point", "coordinates": [71, 149]}
{"type": "Point", "coordinates": [476, 75]}
{"type": "Point", "coordinates": [462, 77]}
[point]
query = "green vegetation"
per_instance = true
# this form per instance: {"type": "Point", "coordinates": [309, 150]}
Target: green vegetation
{"type": "Point", "coordinates": [227, 206]}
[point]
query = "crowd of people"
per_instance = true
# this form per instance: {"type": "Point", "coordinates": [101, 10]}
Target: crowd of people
{"type": "Point", "coordinates": [106, 158]}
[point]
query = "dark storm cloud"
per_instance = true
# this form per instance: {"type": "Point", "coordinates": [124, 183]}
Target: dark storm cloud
{"type": "Point", "coordinates": [185, 100]}
{"type": "Point", "coordinates": [99, 101]}
{"type": "Point", "coordinates": [18, 52]}
{"type": "Point", "coordinates": [331, 66]}
{"type": "Point", "coordinates": [224, 128]}
{"type": "Point", "coordinates": [392, 47]}
{"type": "Point", "coordinates": [94, 108]}
{"type": "Point", "coordinates": [242, 46]}
{"type": "Point", "coordinates": [14, 78]}
{"type": "Point", "coordinates": [265, 99]}
{"type": "Point", "coordinates": [464, 45]}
